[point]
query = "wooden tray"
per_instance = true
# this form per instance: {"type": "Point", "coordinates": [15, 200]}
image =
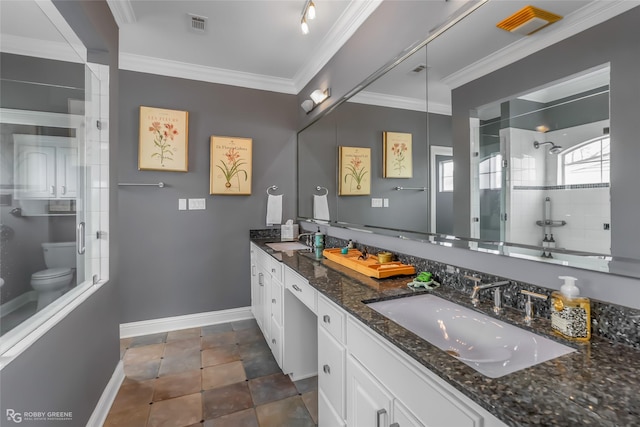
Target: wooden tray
{"type": "Point", "coordinates": [370, 266]}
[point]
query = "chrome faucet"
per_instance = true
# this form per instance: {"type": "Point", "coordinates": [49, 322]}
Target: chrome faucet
{"type": "Point", "coordinates": [308, 240]}
{"type": "Point", "coordinates": [497, 297]}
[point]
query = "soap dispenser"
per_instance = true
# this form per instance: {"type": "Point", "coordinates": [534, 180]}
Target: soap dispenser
{"type": "Point", "coordinates": [570, 313]}
{"type": "Point", "coordinates": [318, 244]}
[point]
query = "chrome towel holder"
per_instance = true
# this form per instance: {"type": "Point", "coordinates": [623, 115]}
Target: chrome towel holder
{"type": "Point", "coordinates": [318, 188]}
{"type": "Point", "coordinates": [128, 184]}
{"type": "Point", "coordinates": [274, 188]}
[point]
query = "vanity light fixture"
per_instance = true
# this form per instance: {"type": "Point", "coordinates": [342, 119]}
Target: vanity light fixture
{"type": "Point", "coordinates": [528, 20]}
{"type": "Point", "coordinates": [308, 13]}
{"type": "Point", "coordinates": [318, 96]}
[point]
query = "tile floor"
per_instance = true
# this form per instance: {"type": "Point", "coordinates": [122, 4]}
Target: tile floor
{"type": "Point", "coordinates": [215, 376]}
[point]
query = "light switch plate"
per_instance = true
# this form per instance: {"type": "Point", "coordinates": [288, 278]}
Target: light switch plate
{"type": "Point", "coordinates": [197, 204]}
{"type": "Point", "coordinates": [385, 203]}
{"type": "Point", "coordinates": [182, 204]}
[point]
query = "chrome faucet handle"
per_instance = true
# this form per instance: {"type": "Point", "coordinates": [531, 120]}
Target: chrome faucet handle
{"type": "Point", "coordinates": [497, 301]}
{"type": "Point", "coordinates": [528, 306]}
{"type": "Point", "coordinates": [476, 289]}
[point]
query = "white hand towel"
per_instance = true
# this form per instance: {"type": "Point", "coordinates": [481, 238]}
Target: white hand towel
{"type": "Point", "coordinates": [320, 207]}
{"type": "Point", "coordinates": [274, 209]}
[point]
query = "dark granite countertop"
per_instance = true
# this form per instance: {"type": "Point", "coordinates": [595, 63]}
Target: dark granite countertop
{"type": "Point", "coordinates": [598, 385]}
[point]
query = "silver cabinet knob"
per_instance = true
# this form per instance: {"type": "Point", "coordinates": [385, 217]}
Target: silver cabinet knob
{"type": "Point", "coordinates": [297, 288]}
{"type": "Point", "coordinates": [326, 369]}
{"type": "Point", "coordinates": [326, 318]}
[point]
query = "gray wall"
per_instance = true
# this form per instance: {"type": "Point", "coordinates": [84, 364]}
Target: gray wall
{"type": "Point", "coordinates": [69, 367]}
{"type": "Point", "coordinates": [183, 262]}
{"type": "Point", "coordinates": [614, 41]}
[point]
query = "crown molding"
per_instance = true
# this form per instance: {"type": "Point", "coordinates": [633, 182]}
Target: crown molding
{"type": "Point", "coordinates": [165, 67]}
{"type": "Point", "coordinates": [122, 11]}
{"type": "Point", "coordinates": [404, 103]}
{"type": "Point", "coordinates": [47, 49]}
{"type": "Point", "coordinates": [354, 15]}
{"type": "Point", "coordinates": [594, 13]}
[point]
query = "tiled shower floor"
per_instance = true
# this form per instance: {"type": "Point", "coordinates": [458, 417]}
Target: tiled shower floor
{"type": "Point", "coordinates": [215, 376]}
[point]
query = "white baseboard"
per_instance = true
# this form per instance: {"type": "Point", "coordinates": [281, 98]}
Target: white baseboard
{"type": "Point", "coordinates": [14, 304]}
{"type": "Point", "coordinates": [166, 324]}
{"type": "Point", "coordinates": [99, 415]}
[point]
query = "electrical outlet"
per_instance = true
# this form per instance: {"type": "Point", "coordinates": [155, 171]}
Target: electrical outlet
{"type": "Point", "coordinates": [182, 204]}
{"type": "Point", "coordinates": [197, 204]}
{"type": "Point", "coordinates": [451, 269]}
{"type": "Point", "coordinates": [376, 202]}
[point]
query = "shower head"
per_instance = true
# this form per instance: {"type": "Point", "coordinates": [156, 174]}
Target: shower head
{"type": "Point", "coordinates": [555, 149]}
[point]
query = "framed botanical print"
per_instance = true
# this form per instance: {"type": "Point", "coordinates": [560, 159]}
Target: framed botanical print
{"type": "Point", "coordinates": [397, 157]}
{"type": "Point", "coordinates": [355, 171]}
{"type": "Point", "coordinates": [163, 142]}
{"type": "Point", "coordinates": [231, 164]}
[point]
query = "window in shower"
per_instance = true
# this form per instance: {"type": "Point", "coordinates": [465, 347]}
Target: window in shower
{"type": "Point", "coordinates": [587, 163]}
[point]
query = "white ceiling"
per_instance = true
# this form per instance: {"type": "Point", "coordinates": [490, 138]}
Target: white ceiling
{"type": "Point", "coordinates": [259, 44]}
{"type": "Point", "coordinates": [259, 41]}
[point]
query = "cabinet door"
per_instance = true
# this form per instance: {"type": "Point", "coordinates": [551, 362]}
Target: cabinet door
{"type": "Point", "coordinates": [331, 375]}
{"type": "Point", "coordinates": [67, 172]}
{"type": "Point", "coordinates": [35, 172]}
{"type": "Point", "coordinates": [254, 281]}
{"type": "Point", "coordinates": [368, 402]}
{"type": "Point", "coordinates": [263, 278]}
{"type": "Point", "coordinates": [402, 417]}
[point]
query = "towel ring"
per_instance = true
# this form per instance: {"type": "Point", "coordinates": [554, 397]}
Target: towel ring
{"type": "Point", "coordinates": [318, 188]}
{"type": "Point", "coordinates": [274, 188]}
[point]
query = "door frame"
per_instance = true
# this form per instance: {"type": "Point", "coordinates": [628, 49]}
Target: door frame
{"type": "Point", "coordinates": [435, 150]}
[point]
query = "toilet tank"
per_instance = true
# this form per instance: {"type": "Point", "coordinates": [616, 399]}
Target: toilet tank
{"type": "Point", "coordinates": [57, 255]}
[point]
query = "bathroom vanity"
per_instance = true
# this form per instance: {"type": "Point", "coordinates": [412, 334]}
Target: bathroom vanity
{"type": "Point", "coordinates": [372, 371]}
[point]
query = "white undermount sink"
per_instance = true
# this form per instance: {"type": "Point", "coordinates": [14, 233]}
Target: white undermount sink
{"type": "Point", "coordinates": [490, 346]}
{"type": "Point", "coordinates": [287, 246]}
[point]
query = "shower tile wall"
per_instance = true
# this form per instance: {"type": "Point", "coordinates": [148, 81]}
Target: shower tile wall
{"type": "Point", "coordinates": [586, 211]}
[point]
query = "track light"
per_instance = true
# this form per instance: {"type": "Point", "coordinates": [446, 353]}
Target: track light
{"type": "Point", "coordinates": [318, 96]}
{"type": "Point", "coordinates": [308, 12]}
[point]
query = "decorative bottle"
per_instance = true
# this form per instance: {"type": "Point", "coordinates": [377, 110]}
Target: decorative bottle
{"type": "Point", "coordinates": [570, 313]}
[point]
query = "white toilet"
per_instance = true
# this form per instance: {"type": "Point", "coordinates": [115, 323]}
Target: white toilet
{"type": "Point", "coordinates": [60, 259]}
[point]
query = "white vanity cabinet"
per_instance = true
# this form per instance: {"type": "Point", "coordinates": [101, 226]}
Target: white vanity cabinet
{"type": "Point", "coordinates": [363, 380]}
{"type": "Point", "coordinates": [45, 167]}
{"type": "Point", "coordinates": [267, 299]}
{"type": "Point", "coordinates": [287, 323]}
{"type": "Point", "coordinates": [406, 393]}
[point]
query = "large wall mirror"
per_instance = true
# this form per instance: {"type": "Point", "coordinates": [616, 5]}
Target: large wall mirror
{"type": "Point", "coordinates": [520, 145]}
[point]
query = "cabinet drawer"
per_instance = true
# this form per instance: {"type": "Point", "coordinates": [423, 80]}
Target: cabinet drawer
{"type": "Point", "coordinates": [331, 370]}
{"type": "Point", "coordinates": [301, 288]}
{"type": "Point", "coordinates": [275, 268]}
{"type": "Point", "coordinates": [331, 318]}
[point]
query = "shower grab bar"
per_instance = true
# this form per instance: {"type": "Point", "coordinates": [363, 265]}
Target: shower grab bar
{"type": "Point", "coordinates": [127, 184]}
{"type": "Point", "coordinates": [410, 188]}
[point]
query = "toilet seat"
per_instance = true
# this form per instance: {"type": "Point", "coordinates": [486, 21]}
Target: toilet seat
{"type": "Point", "coordinates": [51, 273]}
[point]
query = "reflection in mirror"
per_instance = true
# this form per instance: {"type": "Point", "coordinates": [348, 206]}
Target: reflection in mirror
{"type": "Point", "coordinates": [485, 74]}
{"type": "Point", "coordinates": [541, 167]}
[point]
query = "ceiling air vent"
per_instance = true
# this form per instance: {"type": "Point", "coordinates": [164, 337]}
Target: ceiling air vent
{"type": "Point", "coordinates": [198, 23]}
{"type": "Point", "coordinates": [419, 68]}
